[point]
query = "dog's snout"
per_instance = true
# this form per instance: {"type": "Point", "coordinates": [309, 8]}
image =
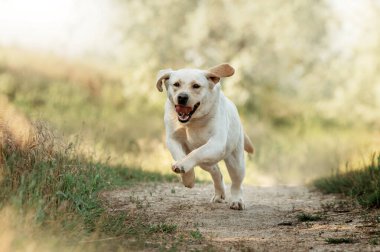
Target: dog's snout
{"type": "Point", "coordinates": [183, 98]}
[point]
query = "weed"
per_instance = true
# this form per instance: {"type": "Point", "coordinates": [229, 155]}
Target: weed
{"type": "Point", "coordinates": [163, 228]}
{"type": "Point", "coordinates": [114, 224]}
{"type": "Point", "coordinates": [196, 234]}
{"type": "Point", "coordinates": [339, 240]}
{"type": "Point", "coordinates": [308, 217]}
{"type": "Point", "coordinates": [139, 203]}
{"type": "Point", "coordinates": [374, 241]}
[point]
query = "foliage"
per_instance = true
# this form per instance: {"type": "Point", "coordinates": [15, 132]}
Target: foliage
{"type": "Point", "coordinates": [363, 184]}
{"type": "Point", "coordinates": [60, 183]}
{"type": "Point", "coordinates": [293, 60]}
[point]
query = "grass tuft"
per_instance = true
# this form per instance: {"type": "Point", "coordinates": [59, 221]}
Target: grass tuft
{"type": "Point", "coordinates": [163, 228]}
{"type": "Point", "coordinates": [362, 185]}
{"type": "Point", "coordinates": [374, 241]}
{"type": "Point", "coordinates": [339, 240]}
{"type": "Point", "coordinates": [308, 217]}
{"type": "Point", "coordinates": [196, 234]}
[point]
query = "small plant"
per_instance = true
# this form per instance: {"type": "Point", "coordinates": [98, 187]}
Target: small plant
{"type": "Point", "coordinates": [137, 201]}
{"type": "Point", "coordinates": [163, 228]}
{"type": "Point", "coordinates": [339, 240]}
{"type": "Point", "coordinates": [114, 224]}
{"type": "Point", "coordinates": [308, 217]}
{"type": "Point", "coordinates": [374, 241]}
{"type": "Point", "coordinates": [196, 234]}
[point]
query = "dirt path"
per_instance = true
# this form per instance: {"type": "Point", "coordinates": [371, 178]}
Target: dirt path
{"type": "Point", "coordinates": [270, 221]}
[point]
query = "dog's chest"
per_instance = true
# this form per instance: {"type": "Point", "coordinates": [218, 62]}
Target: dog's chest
{"type": "Point", "coordinates": [197, 137]}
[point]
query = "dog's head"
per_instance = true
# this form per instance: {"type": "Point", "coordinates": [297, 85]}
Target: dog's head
{"type": "Point", "coordinates": [192, 91]}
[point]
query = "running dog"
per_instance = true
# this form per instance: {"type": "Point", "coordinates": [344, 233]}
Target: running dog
{"type": "Point", "coordinates": [203, 127]}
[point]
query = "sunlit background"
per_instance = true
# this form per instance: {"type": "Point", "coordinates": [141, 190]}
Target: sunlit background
{"type": "Point", "coordinates": [307, 80]}
{"type": "Point", "coordinates": [80, 113]}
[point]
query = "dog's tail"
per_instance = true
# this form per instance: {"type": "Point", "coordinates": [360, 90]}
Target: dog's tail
{"type": "Point", "coordinates": [248, 146]}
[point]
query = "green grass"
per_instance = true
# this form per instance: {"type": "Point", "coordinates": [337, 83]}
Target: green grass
{"type": "Point", "coordinates": [374, 241]}
{"type": "Point", "coordinates": [61, 187]}
{"type": "Point", "coordinates": [196, 234]}
{"type": "Point", "coordinates": [362, 185]}
{"type": "Point", "coordinates": [303, 217]}
{"type": "Point", "coordinates": [163, 228]}
{"type": "Point", "coordinates": [339, 240]}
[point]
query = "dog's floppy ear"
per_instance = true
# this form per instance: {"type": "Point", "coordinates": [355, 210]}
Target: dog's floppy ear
{"type": "Point", "coordinates": [162, 76]}
{"type": "Point", "coordinates": [212, 77]}
{"type": "Point", "coordinates": [223, 70]}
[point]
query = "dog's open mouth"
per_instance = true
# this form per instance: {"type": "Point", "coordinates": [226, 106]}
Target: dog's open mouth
{"type": "Point", "coordinates": [185, 113]}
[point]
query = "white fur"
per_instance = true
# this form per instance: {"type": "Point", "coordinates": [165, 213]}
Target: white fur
{"type": "Point", "coordinates": [214, 132]}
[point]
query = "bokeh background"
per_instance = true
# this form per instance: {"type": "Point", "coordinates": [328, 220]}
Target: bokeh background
{"type": "Point", "coordinates": [307, 81]}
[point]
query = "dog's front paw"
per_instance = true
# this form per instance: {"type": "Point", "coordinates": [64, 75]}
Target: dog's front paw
{"type": "Point", "coordinates": [218, 198]}
{"type": "Point", "coordinates": [178, 168]}
{"type": "Point", "coordinates": [237, 205]}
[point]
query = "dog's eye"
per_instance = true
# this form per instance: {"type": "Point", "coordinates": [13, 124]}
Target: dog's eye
{"type": "Point", "coordinates": [196, 86]}
{"type": "Point", "coordinates": [176, 84]}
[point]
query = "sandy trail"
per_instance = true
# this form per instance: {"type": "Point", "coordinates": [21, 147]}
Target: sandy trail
{"type": "Point", "coordinates": [269, 222]}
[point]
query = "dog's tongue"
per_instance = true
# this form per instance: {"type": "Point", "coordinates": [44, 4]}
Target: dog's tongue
{"type": "Point", "coordinates": [183, 109]}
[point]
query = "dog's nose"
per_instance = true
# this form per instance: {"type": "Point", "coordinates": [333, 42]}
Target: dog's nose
{"type": "Point", "coordinates": [182, 99]}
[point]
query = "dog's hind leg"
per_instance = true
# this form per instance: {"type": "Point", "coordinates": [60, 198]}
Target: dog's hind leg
{"type": "Point", "coordinates": [217, 178]}
{"type": "Point", "coordinates": [236, 168]}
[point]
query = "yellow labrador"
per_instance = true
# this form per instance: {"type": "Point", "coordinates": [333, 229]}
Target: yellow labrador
{"type": "Point", "coordinates": [203, 127]}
